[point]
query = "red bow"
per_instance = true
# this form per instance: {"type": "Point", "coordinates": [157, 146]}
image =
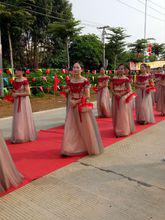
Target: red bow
{"type": "Point", "coordinates": [9, 98]}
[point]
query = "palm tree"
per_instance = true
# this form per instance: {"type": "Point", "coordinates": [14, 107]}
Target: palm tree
{"type": "Point", "coordinates": [67, 30]}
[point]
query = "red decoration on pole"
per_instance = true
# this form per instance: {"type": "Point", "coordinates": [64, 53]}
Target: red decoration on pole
{"type": "Point", "coordinates": [56, 82]}
{"type": "Point", "coordinates": [94, 72]}
{"type": "Point", "coordinates": [44, 78]}
{"type": "Point", "coordinates": [47, 71]}
{"type": "Point", "coordinates": [11, 80]}
{"type": "Point", "coordinates": [149, 49]}
{"type": "Point", "coordinates": [33, 79]}
{"type": "Point", "coordinates": [67, 78]}
{"type": "Point", "coordinates": [8, 71]}
{"type": "Point", "coordinates": [63, 71]}
{"type": "Point", "coordinates": [48, 89]}
{"type": "Point", "coordinates": [27, 71]}
{"type": "Point", "coordinates": [41, 88]}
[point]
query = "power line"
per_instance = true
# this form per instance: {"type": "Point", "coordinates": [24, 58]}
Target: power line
{"type": "Point", "coordinates": [130, 6]}
{"type": "Point", "coordinates": [157, 5]}
{"type": "Point", "coordinates": [39, 7]}
{"type": "Point", "coordinates": [30, 10]}
{"type": "Point", "coordinates": [50, 16]}
{"type": "Point", "coordinates": [151, 7]}
{"type": "Point", "coordinates": [92, 22]}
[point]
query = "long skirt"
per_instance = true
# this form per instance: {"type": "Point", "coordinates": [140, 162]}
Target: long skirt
{"type": "Point", "coordinates": [81, 133]}
{"type": "Point", "coordinates": [122, 116]}
{"type": "Point", "coordinates": [9, 175]}
{"type": "Point", "coordinates": [23, 128]}
{"type": "Point", "coordinates": [144, 107]}
{"type": "Point", "coordinates": [104, 103]}
{"type": "Point", "coordinates": [160, 107]}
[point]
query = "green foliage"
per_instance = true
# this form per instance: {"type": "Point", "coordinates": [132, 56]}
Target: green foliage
{"type": "Point", "coordinates": [41, 31]}
{"type": "Point", "coordinates": [158, 49]}
{"type": "Point", "coordinates": [139, 46]}
{"type": "Point", "coordinates": [42, 80]}
{"type": "Point", "coordinates": [86, 49]}
{"type": "Point", "coordinates": [116, 46]}
{"type": "Point", "coordinates": [28, 22]}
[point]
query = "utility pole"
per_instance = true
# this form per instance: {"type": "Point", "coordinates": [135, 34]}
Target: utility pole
{"type": "Point", "coordinates": [1, 70]}
{"type": "Point", "coordinates": [103, 41]}
{"type": "Point", "coordinates": [145, 27]}
{"type": "Point", "coordinates": [145, 19]}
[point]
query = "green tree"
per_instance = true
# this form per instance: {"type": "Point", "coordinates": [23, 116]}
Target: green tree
{"type": "Point", "coordinates": [25, 25]}
{"type": "Point", "coordinates": [14, 20]}
{"type": "Point", "coordinates": [116, 46]}
{"type": "Point", "coordinates": [67, 31]}
{"type": "Point", "coordinates": [86, 49]}
{"type": "Point", "coordinates": [139, 46]}
{"type": "Point", "coordinates": [158, 49]}
{"type": "Point", "coordinates": [138, 51]}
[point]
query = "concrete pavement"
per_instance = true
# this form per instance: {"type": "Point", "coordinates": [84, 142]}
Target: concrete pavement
{"type": "Point", "coordinates": [127, 182]}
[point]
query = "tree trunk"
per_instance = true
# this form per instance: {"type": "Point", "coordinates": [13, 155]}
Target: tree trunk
{"type": "Point", "coordinates": [11, 52]}
{"type": "Point", "coordinates": [31, 53]}
{"type": "Point", "coordinates": [35, 53]}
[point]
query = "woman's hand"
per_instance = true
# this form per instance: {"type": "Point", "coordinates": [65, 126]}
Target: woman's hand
{"type": "Point", "coordinates": [74, 102]}
{"type": "Point", "coordinates": [100, 87]}
{"type": "Point", "coordinates": [117, 96]}
{"type": "Point", "coordinates": [15, 95]}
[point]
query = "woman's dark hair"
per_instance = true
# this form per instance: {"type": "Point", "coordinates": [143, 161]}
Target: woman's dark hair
{"type": "Point", "coordinates": [121, 64]}
{"type": "Point", "coordinates": [143, 64]}
{"type": "Point", "coordinates": [19, 68]}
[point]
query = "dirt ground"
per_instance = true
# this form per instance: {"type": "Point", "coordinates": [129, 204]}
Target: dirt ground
{"type": "Point", "coordinates": [38, 104]}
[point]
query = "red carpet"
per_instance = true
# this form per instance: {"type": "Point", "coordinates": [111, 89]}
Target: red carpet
{"type": "Point", "coordinates": [38, 158]}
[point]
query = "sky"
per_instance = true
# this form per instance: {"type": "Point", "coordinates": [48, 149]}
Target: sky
{"type": "Point", "coordinates": [115, 13]}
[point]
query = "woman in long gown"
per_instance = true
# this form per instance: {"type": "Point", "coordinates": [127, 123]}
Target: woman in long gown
{"type": "Point", "coordinates": [81, 132]}
{"type": "Point", "coordinates": [103, 96]}
{"type": "Point", "coordinates": [144, 88]}
{"type": "Point", "coordinates": [9, 175]}
{"type": "Point", "coordinates": [157, 77]}
{"type": "Point", "coordinates": [160, 107]}
{"type": "Point", "coordinates": [23, 128]}
{"type": "Point", "coordinates": [149, 71]}
{"type": "Point", "coordinates": [122, 115]}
